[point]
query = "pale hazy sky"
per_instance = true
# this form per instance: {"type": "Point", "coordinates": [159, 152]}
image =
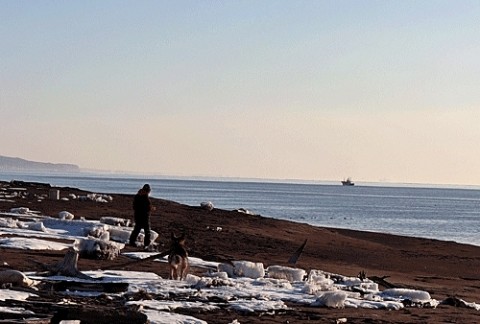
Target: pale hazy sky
{"type": "Point", "coordinates": [314, 90]}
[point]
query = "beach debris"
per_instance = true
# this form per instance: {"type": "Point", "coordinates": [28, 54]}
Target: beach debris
{"type": "Point", "coordinates": [248, 269]}
{"type": "Point", "coordinates": [65, 215]}
{"type": "Point", "coordinates": [58, 284]}
{"type": "Point", "coordinates": [220, 279]}
{"type": "Point", "coordinates": [99, 231]}
{"type": "Point", "coordinates": [235, 321]}
{"type": "Point", "coordinates": [100, 198]}
{"type": "Point", "coordinates": [66, 267]}
{"type": "Point", "coordinates": [214, 228]}
{"type": "Point", "coordinates": [15, 278]}
{"type": "Point", "coordinates": [362, 275]}
{"type": "Point", "coordinates": [129, 263]}
{"type": "Point", "coordinates": [208, 205]}
{"type": "Point", "coordinates": [73, 313]}
{"type": "Point", "coordinates": [379, 280]}
{"type": "Point", "coordinates": [8, 223]}
{"type": "Point", "coordinates": [409, 297]}
{"type": "Point", "coordinates": [318, 281]}
{"type": "Point", "coordinates": [115, 221]}
{"type": "Point", "coordinates": [246, 211]}
{"type": "Point", "coordinates": [294, 258]}
{"type": "Point", "coordinates": [54, 194]}
{"type": "Point", "coordinates": [458, 302]}
{"type": "Point", "coordinates": [122, 235]}
{"type": "Point", "coordinates": [33, 226]}
{"type": "Point", "coordinates": [331, 299]}
{"type": "Point", "coordinates": [96, 248]}
{"type": "Point", "coordinates": [14, 223]}
{"type": "Point", "coordinates": [30, 243]}
{"type": "Point", "coordinates": [20, 210]}
{"type": "Point", "coordinates": [287, 273]}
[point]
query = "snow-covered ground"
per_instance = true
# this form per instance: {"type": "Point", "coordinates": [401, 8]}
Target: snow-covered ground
{"type": "Point", "coordinates": [243, 286]}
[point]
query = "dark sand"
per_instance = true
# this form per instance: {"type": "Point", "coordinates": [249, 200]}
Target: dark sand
{"type": "Point", "coordinates": [442, 268]}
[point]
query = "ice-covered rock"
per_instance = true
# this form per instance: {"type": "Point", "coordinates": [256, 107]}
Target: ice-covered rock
{"type": "Point", "coordinates": [417, 296]}
{"type": "Point", "coordinates": [245, 211]}
{"type": "Point", "coordinates": [332, 299]}
{"type": "Point", "coordinates": [207, 282]}
{"type": "Point", "coordinates": [97, 249]}
{"type": "Point", "coordinates": [119, 234]}
{"type": "Point", "coordinates": [36, 226]}
{"type": "Point", "coordinates": [208, 205]}
{"type": "Point", "coordinates": [65, 215]}
{"type": "Point", "coordinates": [15, 278]}
{"type": "Point", "coordinates": [243, 269]}
{"type": "Point", "coordinates": [96, 230]}
{"type": "Point", "coordinates": [96, 197]}
{"type": "Point", "coordinates": [116, 221]}
{"type": "Point", "coordinates": [8, 223]}
{"type": "Point", "coordinates": [287, 273]}
{"type": "Point", "coordinates": [20, 210]}
{"type": "Point", "coordinates": [317, 282]}
{"type": "Point", "coordinates": [364, 285]}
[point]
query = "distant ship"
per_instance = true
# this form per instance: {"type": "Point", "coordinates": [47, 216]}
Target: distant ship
{"type": "Point", "coordinates": [348, 182]}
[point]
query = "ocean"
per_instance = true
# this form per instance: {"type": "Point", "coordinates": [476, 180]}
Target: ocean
{"type": "Point", "coordinates": [444, 213]}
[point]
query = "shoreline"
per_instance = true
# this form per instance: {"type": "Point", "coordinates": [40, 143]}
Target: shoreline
{"type": "Point", "coordinates": [440, 267]}
{"type": "Point", "coordinates": [142, 176]}
{"type": "Point", "coordinates": [332, 210]}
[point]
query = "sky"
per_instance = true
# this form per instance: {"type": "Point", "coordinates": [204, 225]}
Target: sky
{"type": "Point", "coordinates": [312, 90]}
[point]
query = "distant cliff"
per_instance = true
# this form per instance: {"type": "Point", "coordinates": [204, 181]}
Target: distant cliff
{"type": "Point", "coordinates": [17, 164]}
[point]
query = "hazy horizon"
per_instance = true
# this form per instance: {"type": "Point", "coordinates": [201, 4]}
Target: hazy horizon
{"type": "Point", "coordinates": [159, 176]}
{"type": "Point", "coordinates": [380, 91]}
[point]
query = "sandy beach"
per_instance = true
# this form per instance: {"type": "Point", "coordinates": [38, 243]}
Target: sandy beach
{"type": "Point", "coordinates": [444, 269]}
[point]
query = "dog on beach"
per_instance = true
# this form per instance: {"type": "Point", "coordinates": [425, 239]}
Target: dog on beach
{"type": "Point", "coordinates": [178, 258]}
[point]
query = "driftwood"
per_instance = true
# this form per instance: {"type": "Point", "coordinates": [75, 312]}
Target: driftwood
{"type": "Point", "coordinates": [378, 280]}
{"type": "Point", "coordinates": [87, 311]}
{"type": "Point", "coordinates": [67, 267]}
{"type": "Point", "coordinates": [106, 287]}
{"type": "Point", "coordinates": [294, 258]}
{"type": "Point", "coordinates": [126, 264]}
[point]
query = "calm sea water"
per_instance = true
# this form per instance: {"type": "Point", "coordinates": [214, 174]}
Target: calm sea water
{"type": "Point", "coordinates": [451, 214]}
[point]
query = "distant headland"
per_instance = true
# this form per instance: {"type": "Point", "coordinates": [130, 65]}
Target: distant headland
{"type": "Point", "coordinates": [18, 164]}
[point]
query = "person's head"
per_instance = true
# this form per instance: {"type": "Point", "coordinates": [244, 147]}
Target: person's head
{"type": "Point", "coordinates": [146, 188]}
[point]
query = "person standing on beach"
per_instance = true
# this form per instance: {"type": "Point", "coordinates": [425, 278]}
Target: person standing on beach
{"type": "Point", "coordinates": [142, 208]}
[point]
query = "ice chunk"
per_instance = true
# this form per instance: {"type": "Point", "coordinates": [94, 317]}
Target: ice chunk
{"type": "Point", "coordinates": [65, 215]}
{"type": "Point", "coordinates": [20, 210]}
{"type": "Point", "coordinates": [287, 273]}
{"type": "Point", "coordinates": [332, 299]}
{"type": "Point", "coordinates": [243, 269]}
{"type": "Point", "coordinates": [403, 293]}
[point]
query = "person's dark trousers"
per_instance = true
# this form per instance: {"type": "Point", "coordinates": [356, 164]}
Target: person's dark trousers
{"type": "Point", "coordinates": [139, 224]}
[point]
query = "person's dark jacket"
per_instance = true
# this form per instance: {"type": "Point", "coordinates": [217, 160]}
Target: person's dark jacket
{"type": "Point", "coordinates": [141, 205]}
